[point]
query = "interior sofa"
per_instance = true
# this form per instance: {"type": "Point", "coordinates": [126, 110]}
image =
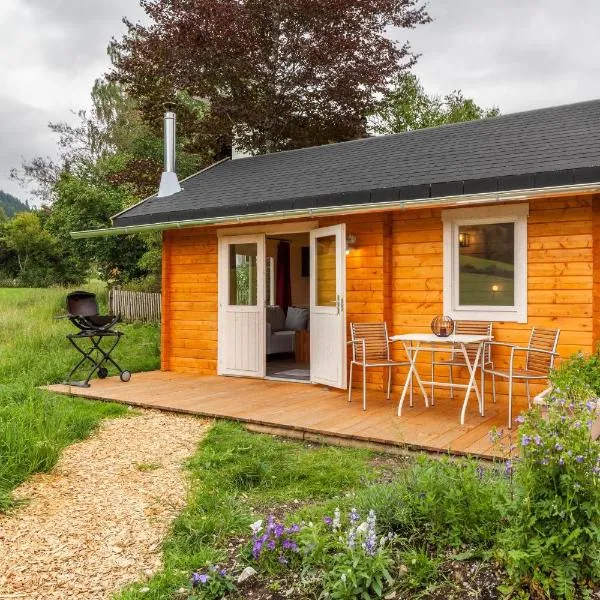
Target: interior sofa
{"type": "Point", "coordinates": [281, 329]}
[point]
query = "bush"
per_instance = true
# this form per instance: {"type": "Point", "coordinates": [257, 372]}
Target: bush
{"type": "Point", "coordinates": [553, 542]}
{"type": "Point", "coordinates": [442, 502]}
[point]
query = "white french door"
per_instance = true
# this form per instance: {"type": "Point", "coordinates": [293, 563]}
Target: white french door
{"type": "Point", "coordinates": [328, 306]}
{"type": "Point", "coordinates": [242, 305]}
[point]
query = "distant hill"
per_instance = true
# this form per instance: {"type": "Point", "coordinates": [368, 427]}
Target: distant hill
{"type": "Point", "coordinates": [12, 205]}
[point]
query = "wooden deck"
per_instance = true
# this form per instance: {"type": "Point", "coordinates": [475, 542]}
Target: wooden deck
{"type": "Point", "coordinates": [310, 412]}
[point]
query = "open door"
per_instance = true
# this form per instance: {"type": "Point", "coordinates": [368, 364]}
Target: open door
{"type": "Point", "coordinates": [328, 306]}
{"type": "Point", "coordinates": [242, 305]}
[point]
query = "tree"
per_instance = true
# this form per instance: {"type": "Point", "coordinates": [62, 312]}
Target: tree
{"type": "Point", "coordinates": [273, 75]}
{"type": "Point", "coordinates": [407, 106]}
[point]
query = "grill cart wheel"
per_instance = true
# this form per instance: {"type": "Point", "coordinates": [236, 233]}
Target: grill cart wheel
{"type": "Point", "coordinates": [125, 376]}
{"type": "Point", "coordinates": [102, 372]}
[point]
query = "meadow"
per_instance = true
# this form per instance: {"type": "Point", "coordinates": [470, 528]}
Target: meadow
{"type": "Point", "coordinates": [36, 425]}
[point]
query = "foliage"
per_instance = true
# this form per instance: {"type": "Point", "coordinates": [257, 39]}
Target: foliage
{"type": "Point", "coordinates": [10, 206]}
{"type": "Point", "coordinates": [442, 503]}
{"type": "Point", "coordinates": [578, 370]}
{"type": "Point", "coordinates": [213, 583]}
{"type": "Point", "coordinates": [407, 106]}
{"type": "Point", "coordinates": [275, 541]}
{"type": "Point", "coordinates": [422, 570]}
{"type": "Point", "coordinates": [553, 542]}
{"type": "Point", "coordinates": [36, 425]}
{"type": "Point", "coordinates": [272, 75]}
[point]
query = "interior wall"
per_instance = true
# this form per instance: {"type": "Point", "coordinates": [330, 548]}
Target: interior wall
{"type": "Point", "coordinates": [300, 285]}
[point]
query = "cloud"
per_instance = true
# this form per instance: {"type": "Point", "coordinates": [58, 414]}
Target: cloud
{"type": "Point", "coordinates": [516, 54]}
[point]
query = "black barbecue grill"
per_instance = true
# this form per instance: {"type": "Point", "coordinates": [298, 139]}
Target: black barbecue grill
{"type": "Point", "coordinates": [93, 330]}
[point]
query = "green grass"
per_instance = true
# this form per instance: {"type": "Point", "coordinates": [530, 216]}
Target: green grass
{"type": "Point", "coordinates": [35, 425]}
{"type": "Point", "coordinates": [237, 477]}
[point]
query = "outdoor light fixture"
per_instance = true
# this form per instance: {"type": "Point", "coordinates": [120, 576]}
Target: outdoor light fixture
{"type": "Point", "coordinates": [350, 242]}
{"type": "Point", "coordinates": [464, 240]}
{"type": "Point", "coordinates": [495, 288]}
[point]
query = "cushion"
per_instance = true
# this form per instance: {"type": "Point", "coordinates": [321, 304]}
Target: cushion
{"type": "Point", "coordinates": [276, 317]}
{"type": "Point", "coordinates": [297, 318]}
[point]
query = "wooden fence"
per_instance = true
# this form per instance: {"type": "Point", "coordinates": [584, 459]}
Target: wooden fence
{"type": "Point", "coordinates": [135, 306]}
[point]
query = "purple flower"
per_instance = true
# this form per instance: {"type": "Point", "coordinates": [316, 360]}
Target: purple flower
{"type": "Point", "coordinates": [293, 529]}
{"type": "Point", "coordinates": [282, 559]}
{"type": "Point", "coordinates": [289, 545]}
{"type": "Point", "coordinates": [223, 572]}
{"type": "Point", "coordinates": [538, 440]}
{"type": "Point", "coordinates": [591, 406]}
{"type": "Point", "coordinates": [558, 447]}
{"type": "Point", "coordinates": [198, 578]}
{"type": "Point", "coordinates": [271, 544]}
{"type": "Point", "coordinates": [279, 529]}
{"type": "Point", "coordinates": [520, 419]}
{"type": "Point", "coordinates": [577, 424]}
{"type": "Point", "coordinates": [544, 461]}
{"type": "Point", "coordinates": [525, 439]}
{"type": "Point", "coordinates": [508, 467]}
{"type": "Point", "coordinates": [579, 458]}
{"type": "Point", "coordinates": [327, 520]}
{"type": "Point", "coordinates": [354, 516]}
{"type": "Point", "coordinates": [561, 461]}
{"type": "Point", "coordinates": [479, 471]}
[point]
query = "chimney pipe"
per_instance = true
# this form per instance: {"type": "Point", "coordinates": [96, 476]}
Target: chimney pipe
{"type": "Point", "coordinates": [169, 184]}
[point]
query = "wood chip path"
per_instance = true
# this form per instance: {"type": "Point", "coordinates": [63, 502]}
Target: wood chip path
{"type": "Point", "coordinates": [96, 522]}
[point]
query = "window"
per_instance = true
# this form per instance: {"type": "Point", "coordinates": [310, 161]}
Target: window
{"type": "Point", "coordinates": [242, 274]}
{"type": "Point", "coordinates": [485, 263]}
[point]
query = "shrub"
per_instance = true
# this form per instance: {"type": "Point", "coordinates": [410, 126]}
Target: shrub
{"type": "Point", "coordinates": [553, 542]}
{"type": "Point", "coordinates": [442, 502]}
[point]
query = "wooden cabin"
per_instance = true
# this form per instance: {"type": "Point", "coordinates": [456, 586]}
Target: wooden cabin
{"type": "Point", "coordinates": [491, 220]}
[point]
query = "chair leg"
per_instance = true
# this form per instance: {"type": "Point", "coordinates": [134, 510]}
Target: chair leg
{"type": "Point", "coordinates": [389, 390]}
{"type": "Point", "coordinates": [364, 386]}
{"type": "Point", "coordinates": [482, 392]}
{"type": "Point", "coordinates": [451, 383]}
{"type": "Point", "coordinates": [528, 395]}
{"type": "Point", "coordinates": [433, 381]}
{"type": "Point", "coordinates": [510, 385]}
{"type": "Point", "coordinates": [493, 387]}
{"type": "Point", "coordinates": [350, 383]}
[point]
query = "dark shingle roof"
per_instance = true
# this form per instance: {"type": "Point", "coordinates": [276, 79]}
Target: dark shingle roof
{"type": "Point", "coordinates": [538, 148]}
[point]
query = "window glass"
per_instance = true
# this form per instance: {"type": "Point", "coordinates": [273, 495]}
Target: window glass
{"type": "Point", "coordinates": [486, 265]}
{"type": "Point", "coordinates": [325, 276]}
{"type": "Point", "coordinates": [242, 274]}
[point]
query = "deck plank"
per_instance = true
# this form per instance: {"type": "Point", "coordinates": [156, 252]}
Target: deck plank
{"type": "Point", "coordinates": [308, 411]}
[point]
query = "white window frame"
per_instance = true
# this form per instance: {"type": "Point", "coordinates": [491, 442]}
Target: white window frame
{"type": "Point", "coordinates": [485, 215]}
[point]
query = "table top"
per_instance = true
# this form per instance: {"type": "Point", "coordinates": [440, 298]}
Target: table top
{"type": "Point", "coordinates": [455, 338]}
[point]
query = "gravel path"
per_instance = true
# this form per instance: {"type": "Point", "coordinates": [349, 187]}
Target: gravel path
{"type": "Point", "coordinates": [96, 522]}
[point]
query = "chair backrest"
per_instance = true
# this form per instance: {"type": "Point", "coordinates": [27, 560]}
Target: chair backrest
{"type": "Point", "coordinates": [475, 328]}
{"type": "Point", "coordinates": [82, 304]}
{"type": "Point", "coordinates": [376, 341]}
{"type": "Point", "coordinates": [542, 339]}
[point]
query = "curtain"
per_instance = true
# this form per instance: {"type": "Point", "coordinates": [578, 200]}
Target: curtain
{"type": "Point", "coordinates": [283, 288]}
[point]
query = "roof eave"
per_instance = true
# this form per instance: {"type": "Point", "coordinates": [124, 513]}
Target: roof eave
{"type": "Point", "coordinates": [449, 201]}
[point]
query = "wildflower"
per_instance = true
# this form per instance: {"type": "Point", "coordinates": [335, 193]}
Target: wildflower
{"type": "Point", "coordinates": [577, 424]}
{"type": "Point", "coordinates": [279, 529]}
{"type": "Point", "coordinates": [293, 529]}
{"type": "Point", "coordinates": [561, 461]}
{"type": "Point", "coordinates": [544, 461]}
{"type": "Point", "coordinates": [525, 439]}
{"type": "Point", "coordinates": [256, 527]}
{"type": "Point", "coordinates": [538, 440]}
{"type": "Point", "coordinates": [351, 541]}
{"type": "Point", "coordinates": [579, 458]}
{"type": "Point", "coordinates": [354, 516]}
{"type": "Point", "coordinates": [282, 559]}
{"type": "Point", "coordinates": [336, 520]}
{"type": "Point", "coordinates": [589, 424]}
{"type": "Point", "coordinates": [558, 447]}
{"type": "Point", "coordinates": [289, 545]}
{"type": "Point", "coordinates": [223, 572]}
{"type": "Point", "coordinates": [198, 578]}
{"type": "Point", "coordinates": [328, 521]}
{"type": "Point", "coordinates": [591, 406]}
{"type": "Point", "coordinates": [596, 470]}
{"type": "Point", "coordinates": [370, 544]}
{"type": "Point", "coordinates": [508, 467]}
{"type": "Point", "coordinates": [520, 419]}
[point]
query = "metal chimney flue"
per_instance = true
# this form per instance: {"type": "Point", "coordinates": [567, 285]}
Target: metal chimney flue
{"type": "Point", "coordinates": [169, 184]}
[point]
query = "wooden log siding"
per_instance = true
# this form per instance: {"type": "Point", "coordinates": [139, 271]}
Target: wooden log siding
{"type": "Point", "coordinates": [394, 273]}
{"type": "Point", "coordinates": [135, 306]}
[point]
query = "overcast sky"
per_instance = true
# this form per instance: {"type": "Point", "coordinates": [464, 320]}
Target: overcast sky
{"type": "Point", "coordinates": [515, 54]}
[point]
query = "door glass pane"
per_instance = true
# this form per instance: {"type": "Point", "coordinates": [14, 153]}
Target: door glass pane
{"type": "Point", "coordinates": [242, 274]}
{"type": "Point", "coordinates": [486, 264]}
{"type": "Point", "coordinates": [325, 277]}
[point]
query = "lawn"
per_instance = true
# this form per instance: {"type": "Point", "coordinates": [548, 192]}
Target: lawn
{"type": "Point", "coordinates": [35, 425]}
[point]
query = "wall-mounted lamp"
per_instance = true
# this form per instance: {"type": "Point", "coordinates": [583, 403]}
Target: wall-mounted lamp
{"type": "Point", "coordinates": [350, 242]}
{"type": "Point", "coordinates": [495, 288]}
{"type": "Point", "coordinates": [464, 239]}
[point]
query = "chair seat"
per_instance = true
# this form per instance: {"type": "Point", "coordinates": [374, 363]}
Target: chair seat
{"type": "Point", "coordinates": [517, 373]}
{"type": "Point", "coordinates": [382, 363]}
